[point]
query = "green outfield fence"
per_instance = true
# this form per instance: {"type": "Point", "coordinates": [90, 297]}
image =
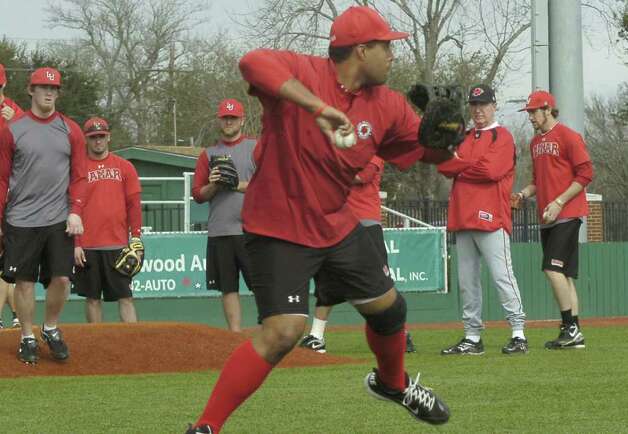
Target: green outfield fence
{"type": "Point", "coordinates": [602, 286]}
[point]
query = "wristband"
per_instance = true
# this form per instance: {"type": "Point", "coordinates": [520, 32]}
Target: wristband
{"type": "Point", "coordinates": [318, 112]}
{"type": "Point", "coordinates": [559, 202]}
{"type": "Point", "coordinates": [522, 194]}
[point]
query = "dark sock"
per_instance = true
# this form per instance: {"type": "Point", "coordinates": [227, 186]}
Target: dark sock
{"type": "Point", "coordinates": [14, 314]}
{"type": "Point", "coordinates": [575, 320]}
{"type": "Point", "coordinates": [566, 316]}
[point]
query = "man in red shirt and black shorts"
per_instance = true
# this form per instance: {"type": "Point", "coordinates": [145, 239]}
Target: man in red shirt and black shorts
{"type": "Point", "coordinates": [562, 170]}
{"type": "Point", "coordinates": [8, 110]}
{"type": "Point", "coordinates": [366, 204]}
{"type": "Point", "coordinates": [112, 213]}
{"type": "Point", "coordinates": [296, 217]}
{"type": "Point", "coordinates": [42, 186]}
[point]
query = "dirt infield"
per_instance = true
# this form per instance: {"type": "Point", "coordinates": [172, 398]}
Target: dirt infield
{"type": "Point", "coordinates": [154, 347]}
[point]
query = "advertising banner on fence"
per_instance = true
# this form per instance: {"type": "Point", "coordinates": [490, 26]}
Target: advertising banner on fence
{"type": "Point", "coordinates": [175, 263]}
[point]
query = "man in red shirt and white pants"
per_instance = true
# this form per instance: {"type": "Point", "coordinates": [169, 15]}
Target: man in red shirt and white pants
{"type": "Point", "coordinates": [479, 213]}
{"type": "Point", "coordinates": [296, 218]}
{"type": "Point", "coordinates": [562, 170]}
{"type": "Point", "coordinates": [112, 213]}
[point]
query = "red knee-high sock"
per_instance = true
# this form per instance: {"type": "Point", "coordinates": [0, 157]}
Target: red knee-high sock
{"type": "Point", "coordinates": [243, 373]}
{"type": "Point", "coordinates": [389, 352]}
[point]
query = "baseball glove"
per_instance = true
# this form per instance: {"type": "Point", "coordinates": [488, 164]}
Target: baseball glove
{"type": "Point", "coordinates": [129, 261]}
{"type": "Point", "coordinates": [442, 125]}
{"type": "Point", "coordinates": [228, 173]}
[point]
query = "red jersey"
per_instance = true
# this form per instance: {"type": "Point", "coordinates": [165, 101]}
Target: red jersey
{"type": "Point", "coordinates": [112, 205]}
{"type": "Point", "coordinates": [559, 158]}
{"type": "Point", "coordinates": [8, 102]}
{"type": "Point", "coordinates": [483, 178]}
{"type": "Point", "coordinates": [300, 188]}
{"type": "Point", "coordinates": [364, 198]}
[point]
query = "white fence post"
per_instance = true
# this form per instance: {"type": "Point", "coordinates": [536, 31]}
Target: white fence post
{"type": "Point", "coordinates": [187, 183]}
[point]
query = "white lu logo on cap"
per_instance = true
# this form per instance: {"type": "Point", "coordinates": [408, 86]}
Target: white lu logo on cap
{"type": "Point", "coordinates": [50, 76]}
{"type": "Point", "coordinates": [230, 107]}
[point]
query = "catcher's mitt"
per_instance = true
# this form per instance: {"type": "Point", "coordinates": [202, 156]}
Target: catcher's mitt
{"type": "Point", "coordinates": [228, 173]}
{"type": "Point", "coordinates": [442, 125]}
{"type": "Point", "coordinates": [129, 261]}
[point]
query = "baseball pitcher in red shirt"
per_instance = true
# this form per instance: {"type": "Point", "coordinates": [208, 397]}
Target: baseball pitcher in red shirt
{"type": "Point", "coordinates": [562, 170]}
{"type": "Point", "coordinates": [324, 119]}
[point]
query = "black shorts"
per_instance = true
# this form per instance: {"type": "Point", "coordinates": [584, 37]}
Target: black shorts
{"type": "Point", "coordinates": [560, 248]}
{"type": "Point", "coordinates": [98, 278]}
{"type": "Point", "coordinates": [326, 282]}
{"type": "Point", "coordinates": [226, 258]}
{"type": "Point", "coordinates": [37, 254]}
{"type": "Point", "coordinates": [281, 272]}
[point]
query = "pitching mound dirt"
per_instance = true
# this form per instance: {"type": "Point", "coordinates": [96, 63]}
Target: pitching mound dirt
{"type": "Point", "coordinates": [113, 349]}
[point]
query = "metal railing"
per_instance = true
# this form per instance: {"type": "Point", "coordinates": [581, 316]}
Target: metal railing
{"type": "Point", "coordinates": [162, 218]}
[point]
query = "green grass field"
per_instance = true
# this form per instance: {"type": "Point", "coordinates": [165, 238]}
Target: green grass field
{"type": "Point", "coordinates": [577, 391]}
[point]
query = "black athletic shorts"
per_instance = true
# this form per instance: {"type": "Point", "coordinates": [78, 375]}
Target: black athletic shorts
{"type": "Point", "coordinates": [98, 278]}
{"type": "Point", "coordinates": [281, 272]}
{"type": "Point", "coordinates": [226, 258]}
{"type": "Point", "coordinates": [560, 248]}
{"type": "Point", "coordinates": [37, 254]}
{"type": "Point", "coordinates": [326, 282]}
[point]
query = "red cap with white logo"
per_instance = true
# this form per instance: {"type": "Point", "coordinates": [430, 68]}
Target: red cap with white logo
{"type": "Point", "coordinates": [361, 24]}
{"type": "Point", "coordinates": [230, 107]}
{"type": "Point", "coordinates": [96, 127]}
{"type": "Point", "coordinates": [539, 99]}
{"type": "Point", "coordinates": [46, 76]}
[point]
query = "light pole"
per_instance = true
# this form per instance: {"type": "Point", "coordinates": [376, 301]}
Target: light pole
{"type": "Point", "coordinates": [174, 119]}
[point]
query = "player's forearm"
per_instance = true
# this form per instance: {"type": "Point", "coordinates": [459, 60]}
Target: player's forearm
{"type": "Point", "coordinates": [207, 193]}
{"type": "Point", "coordinates": [528, 191]}
{"type": "Point", "coordinates": [569, 194]}
{"type": "Point", "coordinates": [294, 91]}
{"type": "Point", "coordinates": [134, 214]}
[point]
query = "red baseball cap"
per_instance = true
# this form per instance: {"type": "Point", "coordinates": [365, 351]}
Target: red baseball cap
{"type": "Point", "coordinates": [3, 75]}
{"type": "Point", "coordinates": [360, 24]}
{"type": "Point", "coordinates": [230, 107]}
{"type": "Point", "coordinates": [96, 127]}
{"type": "Point", "coordinates": [46, 76]}
{"type": "Point", "coordinates": [539, 99]}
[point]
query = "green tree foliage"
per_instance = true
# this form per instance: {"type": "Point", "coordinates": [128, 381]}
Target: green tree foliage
{"type": "Point", "coordinates": [80, 90]}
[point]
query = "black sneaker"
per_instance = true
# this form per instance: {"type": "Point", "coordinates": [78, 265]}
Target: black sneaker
{"type": "Point", "coordinates": [410, 348]}
{"type": "Point", "coordinates": [420, 401]}
{"type": "Point", "coordinates": [465, 346]}
{"type": "Point", "coordinates": [314, 344]}
{"type": "Point", "coordinates": [516, 345]}
{"type": "Point", "coordinates": [54, 339]}
{"type": "Point", "coordinates": [28, 352]}
{"type": "Point", "coordinates": [570, 337]}
{"type": "Point", "coordinates": [1, 324]}
{"type": "Point", "coordinates": [203, 429]}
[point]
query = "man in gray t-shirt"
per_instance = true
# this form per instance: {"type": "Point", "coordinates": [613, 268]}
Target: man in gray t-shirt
{"type": "Point", "coordinates": [226, 255]}
{"type": "Point", "coordinates": [42, 186]}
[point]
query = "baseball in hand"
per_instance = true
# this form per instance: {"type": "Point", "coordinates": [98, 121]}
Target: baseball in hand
{"type": "Point", "coordinates": [344, 141]}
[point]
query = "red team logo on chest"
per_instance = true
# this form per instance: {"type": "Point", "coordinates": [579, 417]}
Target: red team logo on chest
{"type": "Point", "coordinates": [104, 173]}
{"type": "Point", "coordinates": [546, 148]}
